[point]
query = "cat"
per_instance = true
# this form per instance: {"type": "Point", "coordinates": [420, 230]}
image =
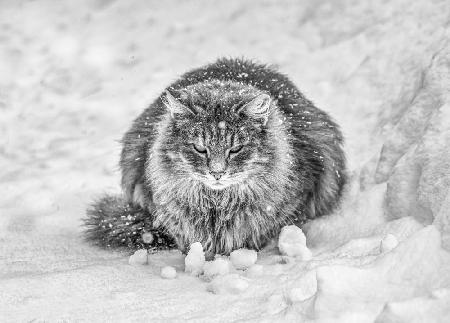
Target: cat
{"type": "Point", "coordinates": [226, 156]}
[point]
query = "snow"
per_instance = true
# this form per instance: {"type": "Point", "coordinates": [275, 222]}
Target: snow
{"type": "Point", "coordinates": [147, 237]}
{"type": "Point", "coordinates": [420, 309]}
{"type": "Point", "coordinates": [230, 283]}
{"type": "Point", "coordinates": [219, 266]}
{"type": "Point", "coordinates": [307, 287]}
{"type": "Point", "coordinates": [243, 258]}
{"type": "Point", "coordinates": [195, 259]}
{"type": "Point", "coordinates": [275, 304]}
{"type": "Point", "coordinates": [139, 257]}
{"type": "Point", "coordinates": [388, 243]}
{"type": "Point", "coordinates": [74, 75]}
{"type": "Point", "coordinates": [420, 259]}
{"type": "Point", "coordinates": [168, 272]}
{"type": "Point", "coordinates": [254, 271]}
{"type": "Point", "coordinates": [292, 243]}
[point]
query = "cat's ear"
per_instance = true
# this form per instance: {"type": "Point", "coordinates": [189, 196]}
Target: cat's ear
{"type": "Point", "coordinates": [258, 108]}
{"type": "Point", "coordinates": [173, 105]}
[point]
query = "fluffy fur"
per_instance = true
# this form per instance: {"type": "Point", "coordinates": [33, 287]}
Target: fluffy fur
{"type": "Point", "coordinates": [226, 156]}
{"type": "Point", "coordinates": [113, 223]}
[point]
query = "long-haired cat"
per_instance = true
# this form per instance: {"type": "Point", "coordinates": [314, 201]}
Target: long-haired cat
{"type": "Point", "coordinates": [226, 156]}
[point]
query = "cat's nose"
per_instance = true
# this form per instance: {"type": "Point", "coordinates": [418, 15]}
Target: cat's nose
{"type": "Point", "coordinates": [217, 166]}
{"type": "Point", "coordinates": [217, 175]}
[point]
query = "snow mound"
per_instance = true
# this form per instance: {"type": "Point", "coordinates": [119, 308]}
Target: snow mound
{"type": "Point", "coordinates": [292, 242]}
{"type": "Point", "coordinates": [344, 289]}
{"type": "Point", "coordinates": [195, 259]}
{"type": "Point", "coordinates": [243, 258]}
{"type": "Point", "coordinates": [414, 159]}
{"type": "Point", "coordinates": [139, 257]}
{"type": "Point", "coordinates": [429, 308]}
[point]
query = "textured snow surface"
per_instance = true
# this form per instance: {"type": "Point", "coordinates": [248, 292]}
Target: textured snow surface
{"type": "Point", "coordinates": [73, 76]}
{"type": "Point", "coordinates": [230, 283]}
{"type": "Point", "coordinates": [388, 243]}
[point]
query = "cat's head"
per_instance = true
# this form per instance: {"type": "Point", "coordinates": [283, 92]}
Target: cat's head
{"type": "Point", "coordinates": [218, 133]}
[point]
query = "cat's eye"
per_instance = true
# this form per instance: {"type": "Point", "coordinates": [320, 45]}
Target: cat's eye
{"type": "Point", "coordinates": [199, 148]}
{"type": "Point", "coordinates": [236, 149]}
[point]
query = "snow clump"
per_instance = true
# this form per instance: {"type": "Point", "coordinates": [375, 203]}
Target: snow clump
{"type": "Point", "coordinates": [243, 258]}
{"type": "Point", "coordinates": [168, 272]}
{"type": "Point", "coordinates": [195, 259]}
{"type": "Point", "coordinates": [147, 237]}
{"type": "Point", "coordinates": [292, 242]}
{"type": "Point", "coordinates": [219, 266]}
{"type": "Point", "coordinates": [139, 257]}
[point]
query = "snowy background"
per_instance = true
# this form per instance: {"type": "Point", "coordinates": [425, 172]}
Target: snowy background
{"type": "Point", "coordinates": [74, 74]}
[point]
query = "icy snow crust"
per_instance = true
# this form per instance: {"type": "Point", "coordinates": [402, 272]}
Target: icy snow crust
{"type": "Point", "coordinates": [73, 76]}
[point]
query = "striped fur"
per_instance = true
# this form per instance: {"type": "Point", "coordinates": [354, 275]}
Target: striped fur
{"type": "Point", "coordinates": [291, 167]}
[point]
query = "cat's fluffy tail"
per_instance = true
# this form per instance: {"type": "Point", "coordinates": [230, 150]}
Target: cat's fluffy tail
{"type": "Point", "coordinates": [113, 223]}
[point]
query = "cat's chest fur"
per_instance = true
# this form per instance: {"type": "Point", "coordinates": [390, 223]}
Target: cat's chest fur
{"type": "Point", "coordinates": [221, 220]}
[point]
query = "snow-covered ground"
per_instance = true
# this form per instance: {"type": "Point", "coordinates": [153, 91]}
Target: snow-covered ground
{"type": "Point", "coordinates": [74, 74]}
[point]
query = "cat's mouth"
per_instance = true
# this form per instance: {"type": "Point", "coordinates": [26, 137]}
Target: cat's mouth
{"type": "Point", "coordinates": [219, 184]}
